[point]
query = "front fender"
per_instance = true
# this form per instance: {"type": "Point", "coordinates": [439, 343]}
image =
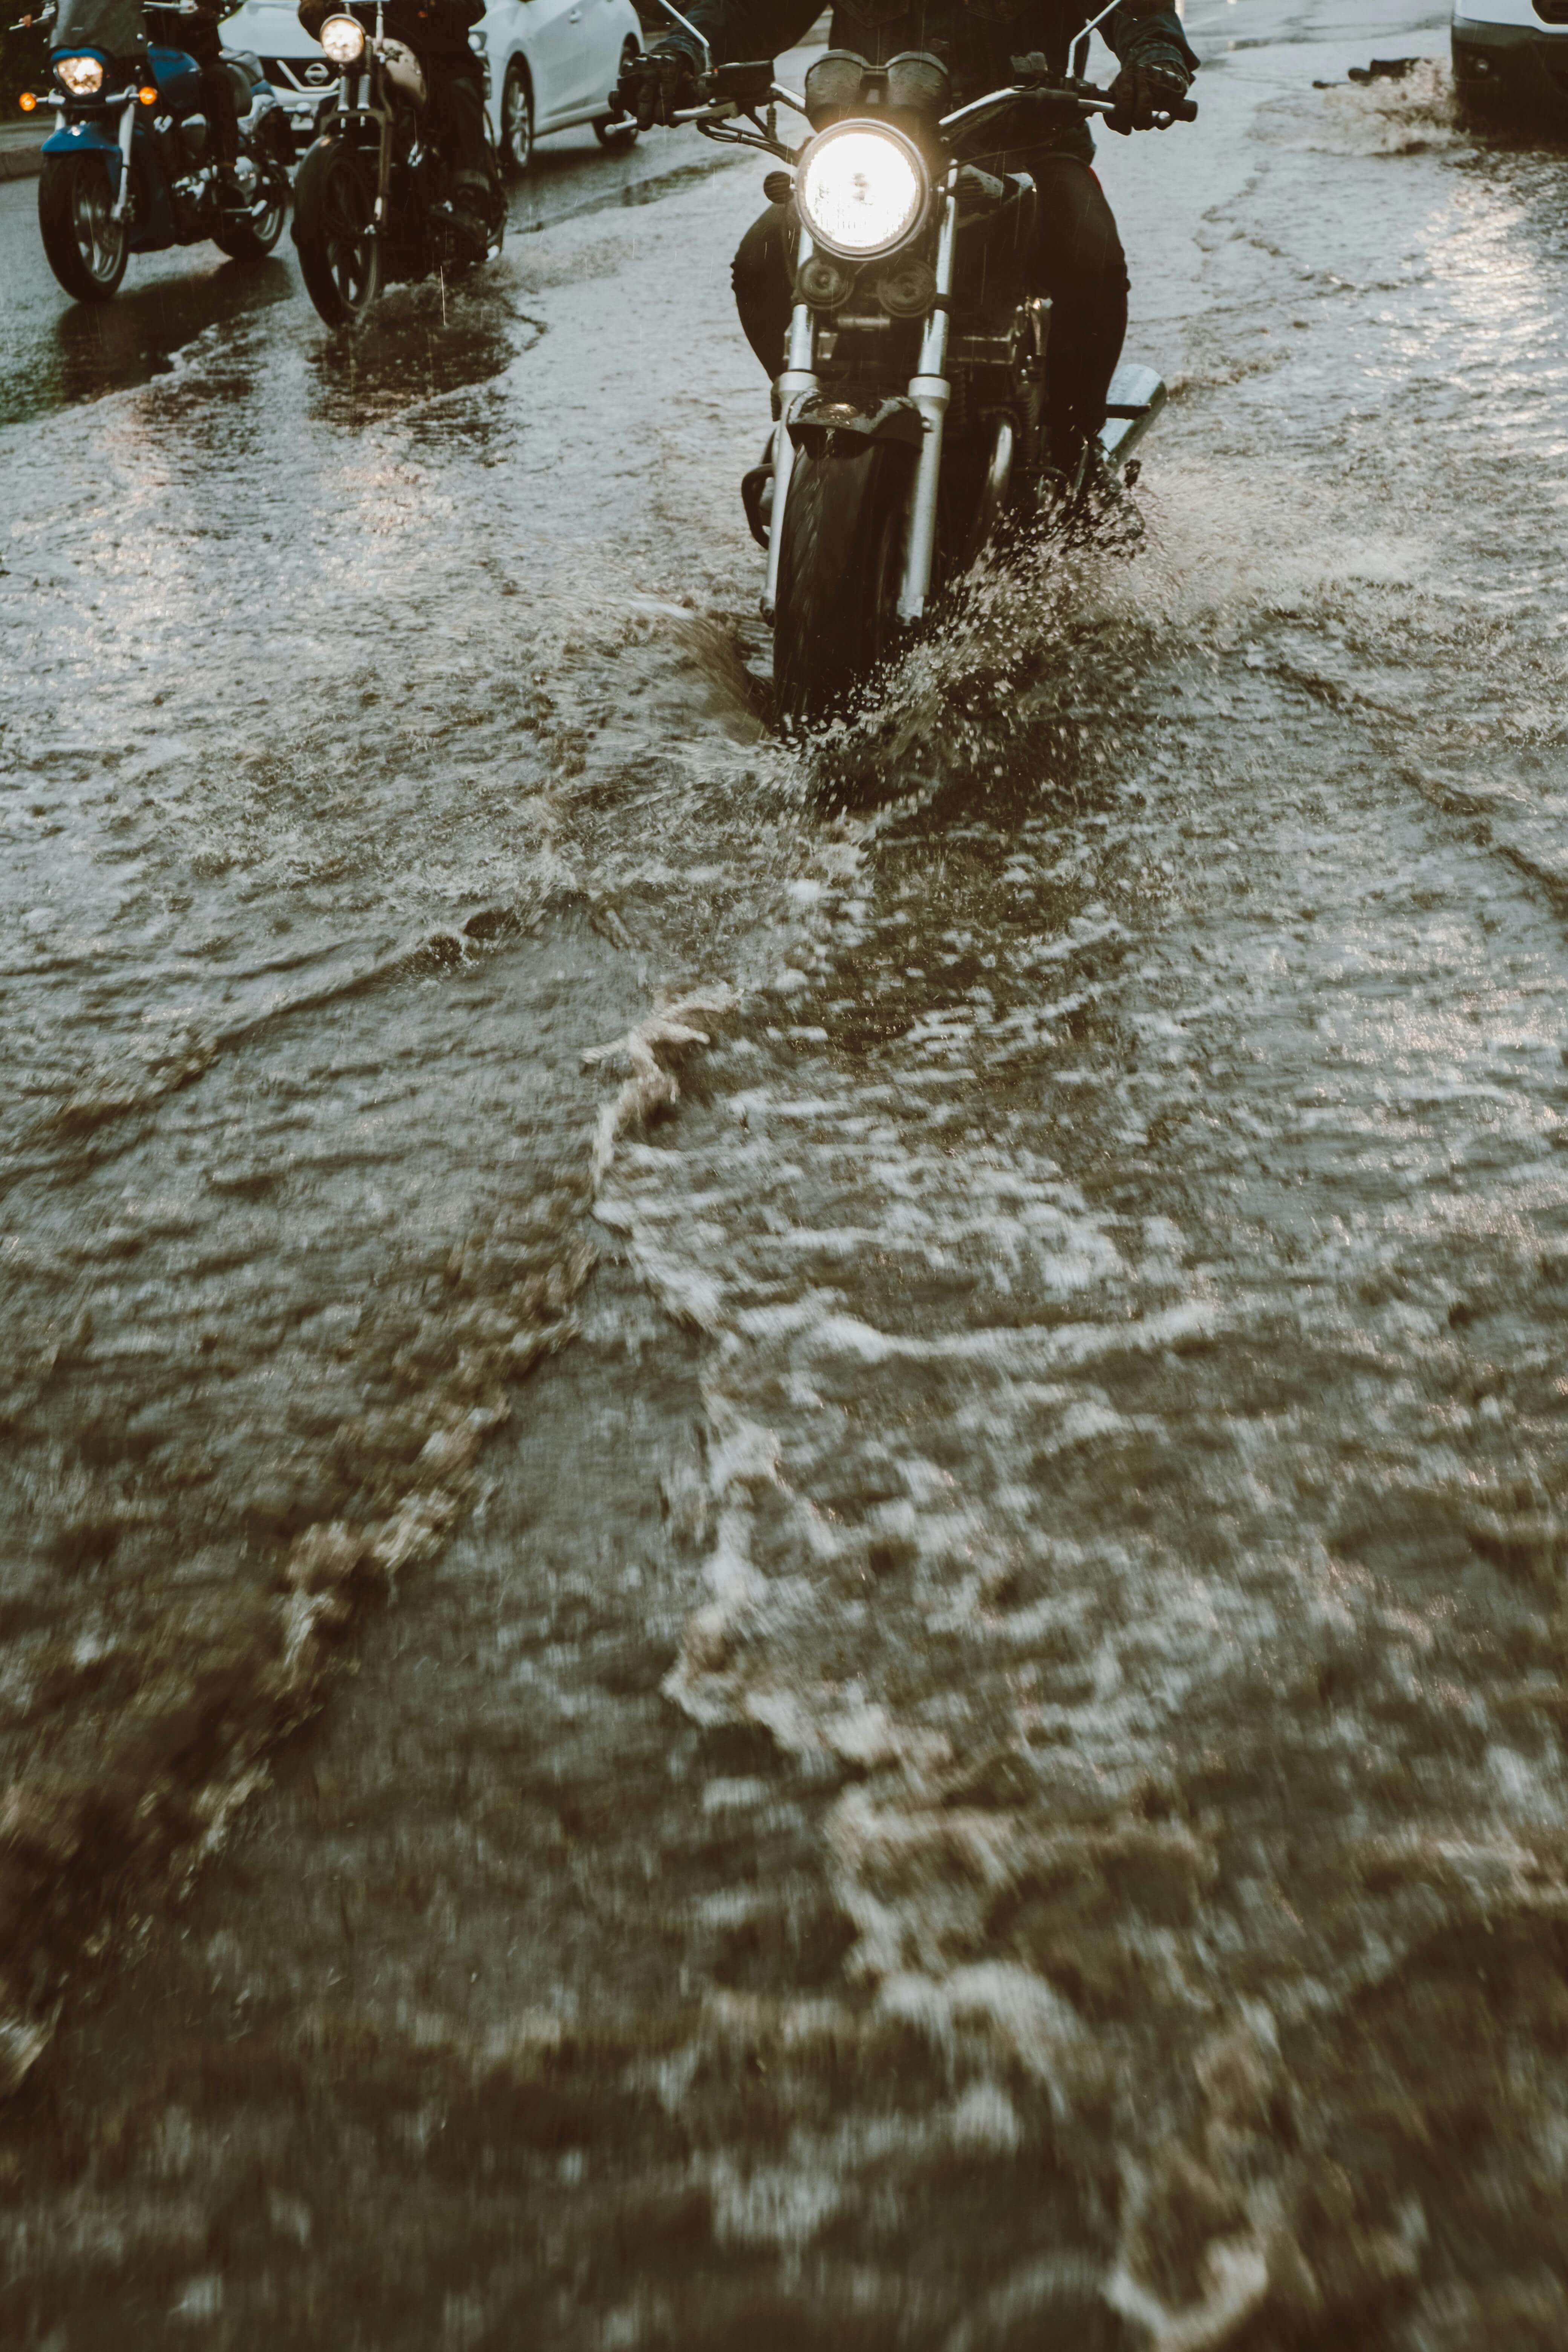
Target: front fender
{"type": "Point", "coordinates": [85, 138]}
{"type": "Point", "coordinates": [837, 424]}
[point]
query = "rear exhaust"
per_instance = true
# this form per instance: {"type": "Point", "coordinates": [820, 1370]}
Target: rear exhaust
{"type": "Point", "coordinates": [1136, 398]}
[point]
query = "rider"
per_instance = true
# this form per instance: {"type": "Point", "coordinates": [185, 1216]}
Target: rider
{"type": "Point", "coordinates": [437, 33]}
{"type": "Point", "coordinates": [199, 36]}
{"type": "Point", "coordinates": [1078, 258]}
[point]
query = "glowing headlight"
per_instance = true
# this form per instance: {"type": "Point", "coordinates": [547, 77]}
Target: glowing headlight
{"type": "Point", "coordinates": [82, 77]}
{"type": "Point", "coordinates": [860, 189]}
{"type": "Point", "coordinates": [343, 40]}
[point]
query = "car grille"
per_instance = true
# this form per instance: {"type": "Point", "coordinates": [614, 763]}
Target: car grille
{"type": "Point", "coordinates": [299, 77]}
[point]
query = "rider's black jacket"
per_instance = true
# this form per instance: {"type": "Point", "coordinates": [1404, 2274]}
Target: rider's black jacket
{"type": "Point", "coordinates": [975, 40]}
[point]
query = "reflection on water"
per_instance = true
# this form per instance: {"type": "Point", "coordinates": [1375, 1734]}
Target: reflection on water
{"type": "Point", "coordinates": [418, 343]}
{"type": "Point", "coordinates": [92, 348]}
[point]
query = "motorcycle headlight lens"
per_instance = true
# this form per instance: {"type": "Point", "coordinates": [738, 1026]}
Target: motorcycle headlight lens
{"type": "Point", "coordinates": [343, 40]}
{"type": "Point", "coordinates": [82, 77]}
{"type": "Point", "coordinates": [860, 189]}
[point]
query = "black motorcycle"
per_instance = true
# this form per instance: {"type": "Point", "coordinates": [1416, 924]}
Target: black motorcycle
{"type": "Point", "coordinates": [909, 431]}
{"type": "Point", "coordinates": [371, 202]}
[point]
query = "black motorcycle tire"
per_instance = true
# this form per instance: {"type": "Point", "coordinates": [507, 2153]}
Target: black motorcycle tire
{"type": "Point", "coordinates": [841, 565]}
{"type": "Point", "coordinates": [340, 251]}
{"type": "Point", "coordinates": [74, 197]}
{"type": "Point", "coordinates": [243, 237]}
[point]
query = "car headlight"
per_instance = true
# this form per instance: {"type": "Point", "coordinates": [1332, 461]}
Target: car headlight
{"type": "Point", "coordinates": [82, 77]}
{"type": "Point", "coordinates": [860, 189]}
{"type": "Point", "coordinates": [343, 40]}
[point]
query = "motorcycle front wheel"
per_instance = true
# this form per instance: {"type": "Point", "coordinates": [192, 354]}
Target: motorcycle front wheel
{"type": "Point", "coordinates": [86, 246]}
{"type": "Point", "coordinates": [251, 235]}
{"type": "Point", "coordinates": [340, 251]}
{"type": "Point", "coordinates": [839, 567]}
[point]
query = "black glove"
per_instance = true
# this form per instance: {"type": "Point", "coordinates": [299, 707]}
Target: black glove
{"type": "Point", "coordinates": [1151, 84]}
{"type": "Point", "coordinates": [651, 89]}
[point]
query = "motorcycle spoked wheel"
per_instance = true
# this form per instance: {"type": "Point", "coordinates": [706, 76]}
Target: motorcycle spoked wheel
{"type": "Point", "coordinates": [86, 247]}
{"type": "Point", "coordinates": [835, 622]}
{"type": "Point", "coordinates": [251, 235]}
{"type": "Point", "coordinates": [340, 251]}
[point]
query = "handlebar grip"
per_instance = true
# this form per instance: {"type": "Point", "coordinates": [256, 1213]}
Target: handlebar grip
{"type": "Point", "coordinates": [1185, 110]}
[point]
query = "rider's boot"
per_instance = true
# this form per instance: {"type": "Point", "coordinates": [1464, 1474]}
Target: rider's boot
{"type": "Point", "coordinates": [471, 209]}
{"type": "Point", "coordinates": [1086, 500]}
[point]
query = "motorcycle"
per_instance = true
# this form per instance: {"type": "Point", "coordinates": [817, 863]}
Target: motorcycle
{"type": "Point", "coordinates": [908, 418]}
{"type": "Point", "coordinates": [126, 169]}
{"type": "Point", "coordinates": [371, 199]}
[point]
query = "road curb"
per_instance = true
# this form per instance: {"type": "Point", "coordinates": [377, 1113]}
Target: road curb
{"type": "Point", "coordinates": [21, 159]}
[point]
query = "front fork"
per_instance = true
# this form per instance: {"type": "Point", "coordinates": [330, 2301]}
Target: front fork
{"type": "Point", "coordinates": [127, 132]}
{"type": "Point", "coordinates": [929, 391]}
{"type": "Point", "coordinates": [799, 377]}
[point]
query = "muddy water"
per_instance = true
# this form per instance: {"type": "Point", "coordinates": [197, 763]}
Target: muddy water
{"type": "Point", "coordinates": [973, 1758]}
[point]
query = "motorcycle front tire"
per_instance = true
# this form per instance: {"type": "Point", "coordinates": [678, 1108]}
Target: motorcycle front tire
{"type": "Point", "coordinates": [251, 236]}
{"type": "Point", "coordinates": [840, 565]}
{"type": "Point", "coordinates": [85, 247]}
{"type": "Point", "coordinates": [339, 250]}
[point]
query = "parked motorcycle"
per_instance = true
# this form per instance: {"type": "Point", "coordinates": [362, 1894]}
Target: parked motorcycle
{"type": "Point", "coordinates": [909, 433]}
{"type": "Point", "coordinates": [371, 202]}
{"type": "Point", "coordinates": [126, 169]}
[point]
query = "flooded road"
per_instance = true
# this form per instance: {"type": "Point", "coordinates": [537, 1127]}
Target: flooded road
{"type": "Point", "coordinates": [885, 1667]}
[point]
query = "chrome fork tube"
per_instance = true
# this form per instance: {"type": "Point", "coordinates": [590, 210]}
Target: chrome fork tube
{"type": "Point", "coordinates": [929, 391]}
{"type": "Point", "coordinates": [127, 132]}
{"type": "Point", "coordinates": [798, 377]}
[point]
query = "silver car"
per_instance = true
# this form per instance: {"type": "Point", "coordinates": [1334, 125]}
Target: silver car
{"type": "Point", "coordinates": [550, 65]}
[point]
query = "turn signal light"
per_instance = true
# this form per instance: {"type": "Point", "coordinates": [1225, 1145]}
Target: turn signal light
{"type": "Point", "coordinates": [26, 102]}
{"type": "Point", "coordinates": [147, 94]}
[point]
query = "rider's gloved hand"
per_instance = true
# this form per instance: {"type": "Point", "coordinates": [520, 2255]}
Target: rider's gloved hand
{"type": "Point", "coordinates": [1149, 85]}
{"type": "Point", "coordinates": [651, 89]}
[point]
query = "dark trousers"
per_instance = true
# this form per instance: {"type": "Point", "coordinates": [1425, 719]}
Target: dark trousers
{"type": "Point", "coordinates": [457, 105]}
{"type": "Point", "coordinates": [200, 38]}
{"type": "Point", "coordinates": [1076, 258]}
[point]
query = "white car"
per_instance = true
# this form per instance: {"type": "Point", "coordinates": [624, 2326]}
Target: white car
{"type": "Point", "coordinates": [1512, 55]}
{"type": "Point", "coordinates": [550, 64]}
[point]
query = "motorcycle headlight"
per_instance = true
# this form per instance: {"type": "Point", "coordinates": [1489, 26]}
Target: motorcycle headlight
{"type": "Point", "coordinates": [860, 189]}
{"type": "Point", "coordinates": [81, 77]}
{"type": "Point", "coordinates": [343, 40]}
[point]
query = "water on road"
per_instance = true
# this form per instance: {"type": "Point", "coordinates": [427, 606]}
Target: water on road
{"type": "Point", "coordinates": [885, 1667]}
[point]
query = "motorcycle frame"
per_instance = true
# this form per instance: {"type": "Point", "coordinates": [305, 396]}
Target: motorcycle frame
{"type": "Point", "coordinates": [375, 109]}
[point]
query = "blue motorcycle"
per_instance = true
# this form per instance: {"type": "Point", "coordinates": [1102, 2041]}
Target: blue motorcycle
{"type": "Point", "coordinates": [127, 168]}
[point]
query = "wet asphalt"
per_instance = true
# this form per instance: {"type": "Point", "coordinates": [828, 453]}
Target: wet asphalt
{"type": "Point", "coordinates": [885, 1667]}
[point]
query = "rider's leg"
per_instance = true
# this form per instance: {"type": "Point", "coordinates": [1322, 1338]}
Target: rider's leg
{"type": "Point", "coordinates": [464, 113]}
{"type": "Point", "coordinates": [761, 277]}
{"type": "Point", "coordinates": [200, 37]}
{"type": "Point", "coordinates": [1078, 262]}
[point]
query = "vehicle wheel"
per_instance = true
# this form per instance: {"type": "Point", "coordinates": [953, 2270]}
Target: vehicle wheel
{"type": "Point", "coordinates": [516, 120]}
{"type": "Point", "coordinates": [87, 247]}
{"type": "Point", "coordinates": [340, 252]}
{"type": "Point", "coordinates": [840, 565]}
{"type": "Point", "coordinates": [251, 236]}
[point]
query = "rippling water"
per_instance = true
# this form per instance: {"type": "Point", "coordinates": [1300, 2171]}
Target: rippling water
{"type": "Point", "coordinates": [973, 1758]}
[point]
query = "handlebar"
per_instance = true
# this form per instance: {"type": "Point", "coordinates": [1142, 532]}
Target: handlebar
{"type": "Point", "coordinates": [1070, 97]}
{"type": "Point", "coordinates": [732, 91]}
